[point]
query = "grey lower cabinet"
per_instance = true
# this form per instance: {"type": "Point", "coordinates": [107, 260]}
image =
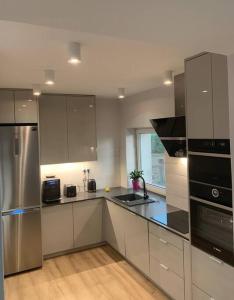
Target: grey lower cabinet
{"type": "Point", "coordinates": [137, 242]}
{"type": "Point", "coordinates": [81, 120]}
{"type": "Point", "coordinates": [212, 276]}
{"type": "Point", "coordinates": [53, 129]}
{"type": "Point", "coordinates": [207, 97]}
{"type": "Point", "coordinates": [57, 228]}
{"type": "Point", "coordinates": [87, 222]}
{"type": "Point", "coordinates": [161, 255]}
{"type": "Point", "coordinates": [67, 128]}
{"type": "Point", "coordinates": [70, 226]}
{"type": "Point", "coordinates": [198, 294]}
{"type": "Point", "coordinates": [114, 226]}
{"type": "Point", "coordinates": [18, 106]}
{"type": "Point", "coordinates": [166, 256]}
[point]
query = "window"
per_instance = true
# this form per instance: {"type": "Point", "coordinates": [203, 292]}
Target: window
{"type": "Point", "coordinates": [151, 158]}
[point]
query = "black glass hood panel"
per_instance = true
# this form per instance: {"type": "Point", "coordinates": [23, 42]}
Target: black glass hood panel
{"type": "Point", "coordinates": [172, 132]}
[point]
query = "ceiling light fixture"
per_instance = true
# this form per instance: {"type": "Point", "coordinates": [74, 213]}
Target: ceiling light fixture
{"type": "Point", "coordinates": [49, 77]}
{"type": "Point", "coordinates": [168, 79]}
{"type": "Point", "coordinates": [74, 53]}
{"type": "Point", "coordinates": [121, 93]}
{"type": "Point", "coordinates": [36, 90]}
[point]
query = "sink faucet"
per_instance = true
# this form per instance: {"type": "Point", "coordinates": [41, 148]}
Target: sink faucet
{"type": "Point", "coordinates": [146, 196]}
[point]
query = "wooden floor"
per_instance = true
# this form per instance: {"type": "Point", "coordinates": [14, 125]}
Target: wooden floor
{"type": "Point", "coordinates": [96, 274]}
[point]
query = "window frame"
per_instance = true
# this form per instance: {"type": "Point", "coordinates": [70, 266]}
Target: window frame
{"type": "Point", "coordinates": [150, 187]}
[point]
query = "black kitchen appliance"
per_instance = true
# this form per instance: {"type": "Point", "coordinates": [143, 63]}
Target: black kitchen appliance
{"type": "Point", "coordinates": [172, 130]}
{"type": "Point", "coordinates": [210, 185]}
{"type": "Point", "coordinates": [51, 190]}
{"type": "Point", "coordinates": [91, 186]}
{"type": "Point", "coordinates": [69, 190]}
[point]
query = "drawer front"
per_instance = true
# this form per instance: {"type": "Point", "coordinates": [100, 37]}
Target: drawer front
{"type": "Point", "coordinates": [199, 294]}
{"type": "Point", "coordinates": [166, 235]}
{"type": "Point", "coordinates": [212, 275]}
{"type": "Point", "coordinates": [172, 284]}
{"type": "Point", "coordinates": [167, 254]}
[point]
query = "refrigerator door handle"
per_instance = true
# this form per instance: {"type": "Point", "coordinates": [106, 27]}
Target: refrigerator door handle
{"type": "Point", "coordinates": [20, 211]}
{"type": "Point", "coordinates": [17, 145]}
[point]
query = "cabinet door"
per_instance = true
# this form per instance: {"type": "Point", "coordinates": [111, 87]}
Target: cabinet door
{"type": "Point", "coordinates": [81, 128]}
{"type": "Point", "coordinates": [7, 113]}
{"type": "Point", "coordinates": [200, 295]}
{"type": "Point", "coordinates": [25, 107]}
{"type": "Point", "coordinates": [57, 228]}
{"type": "Point", "coordinates": [87, 222]}
{"type": "Point", "coordinates": [212, 276]}
{"type": "Point", "coordinates": [114, 226]}
{"type": "Point", "coordinates": [137, 244]}
{"type": "Point", "coordinates": [187, 271]}
{"type": "Point", "coordinates": [53, 129]}
{"type": "Point", "coordinates": [199, 97]}
{"type": "Point", "coordinates": [220, 96]}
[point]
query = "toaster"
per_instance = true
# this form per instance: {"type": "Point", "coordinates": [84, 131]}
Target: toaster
{"type": "Point", "coordinates": [69, 190]}
{"type": "Point", "coordinates": [91, 186]}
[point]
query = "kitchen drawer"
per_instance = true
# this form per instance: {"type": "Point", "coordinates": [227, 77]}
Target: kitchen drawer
{"type": "Point", "coordinates": [172, 284]}
{"type": "Point", "coordinates": [166, 235]}
{"type": "Point", "coordinates": [167, 254]}
{"type": "Point", "coordinates": [199, 294]}
{"type": "Point", "coordinates": [212, 275]}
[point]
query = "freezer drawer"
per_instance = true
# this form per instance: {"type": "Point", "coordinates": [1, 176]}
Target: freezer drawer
{"type": "Point", "coordinates": [22, 240]}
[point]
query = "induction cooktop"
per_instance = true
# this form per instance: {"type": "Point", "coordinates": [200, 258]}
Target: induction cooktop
{"type": "Point", "coordinates": [177, 220]}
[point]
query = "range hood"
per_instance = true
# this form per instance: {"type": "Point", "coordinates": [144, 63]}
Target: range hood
{"type": "Point", "coordinates": [172, 131]}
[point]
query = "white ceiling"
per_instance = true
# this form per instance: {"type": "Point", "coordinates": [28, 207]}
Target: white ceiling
{"type": "Point", "coordinates": [125, 43]}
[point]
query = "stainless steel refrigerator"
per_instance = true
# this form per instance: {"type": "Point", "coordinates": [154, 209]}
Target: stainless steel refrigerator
{"type": "Point", "coordinates": [20, 198]}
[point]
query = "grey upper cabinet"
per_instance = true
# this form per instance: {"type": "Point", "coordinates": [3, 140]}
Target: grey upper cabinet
{"type": "Point", "coordinates": [53, 129]}
{"type": "Point", "coordinates": [207, 97]}
{"type": "Point", "coordinates": [18, 106]}
{"type": "Point", "coordinates": [81, 128]}
{"type": "Point", "coordinates": [199, 97]}
{"type": "Point", "coordinates": [67, 128]}
{"type": "Point", "coordinates": [220, 96]}
{"type": "Point", "coordinates": [7, 114]}
{"type": "Point", "coordinates": [25, 107]}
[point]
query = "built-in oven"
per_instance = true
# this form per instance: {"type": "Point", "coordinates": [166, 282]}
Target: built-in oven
{"type": "Point", "coordinates": [212, 229]}
{"type": "Point", "coordinates": [210, 186]}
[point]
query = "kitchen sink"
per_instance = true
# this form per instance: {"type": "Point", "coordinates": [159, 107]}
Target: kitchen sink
{"type": "Point", "coordinates": [133, 199]}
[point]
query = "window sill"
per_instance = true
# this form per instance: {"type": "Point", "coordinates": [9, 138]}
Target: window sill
{"type": "Point", "coordinates": [156, 189]}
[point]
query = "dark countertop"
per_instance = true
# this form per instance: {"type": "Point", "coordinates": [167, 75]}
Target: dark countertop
{"type": "Point", "coordinates": [146, 211]}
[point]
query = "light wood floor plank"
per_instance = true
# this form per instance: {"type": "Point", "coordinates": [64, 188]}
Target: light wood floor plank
{"type": "Point", "coordinates": [96, 274]}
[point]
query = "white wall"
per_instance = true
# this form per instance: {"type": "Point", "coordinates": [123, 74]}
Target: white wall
{"type": "Point", "coordinates": [106, 170]}
{"type": "Point", "coordinates": [136, 112]}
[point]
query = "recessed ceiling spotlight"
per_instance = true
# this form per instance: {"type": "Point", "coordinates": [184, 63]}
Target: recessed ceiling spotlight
{"type": "Point", "coordinates": [49, 77]}
{"type": "Point", "coordinates": [168, 79]}
{"type": "Point", "coordinates": [121, 93]}
{"type": "Point", "coordinates": [36, 90]}
{"type": "Point", "coordinates": [74, 53]}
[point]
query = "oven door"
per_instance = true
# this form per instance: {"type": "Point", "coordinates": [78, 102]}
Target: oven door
{"type": "Point", "coordinates": [212, 230]}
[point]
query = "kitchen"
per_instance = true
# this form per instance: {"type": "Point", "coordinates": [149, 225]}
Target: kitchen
{"type": "Point", "coordinates": [79, 220]}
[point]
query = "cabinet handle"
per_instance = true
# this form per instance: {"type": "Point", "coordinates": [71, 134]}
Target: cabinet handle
{"type": "Point", "coordinates": [132, 213]}
{"type": "Point", "coordinates": [163, 241]}
{"type": "Point", "coordinates": [215, 260]}
{"type": "Point", "coordinates": [164, 267]}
